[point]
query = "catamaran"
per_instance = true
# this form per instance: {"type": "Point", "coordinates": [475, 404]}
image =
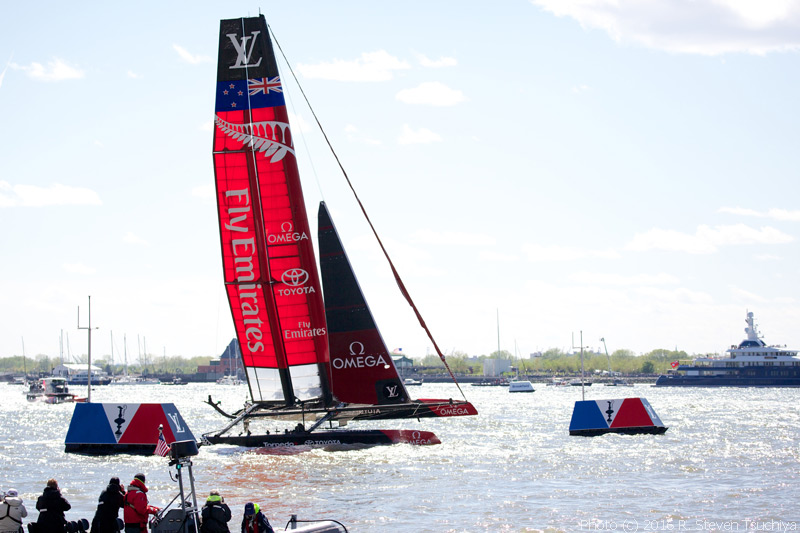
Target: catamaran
{"type": "Point", "coordinates": [316, 361]}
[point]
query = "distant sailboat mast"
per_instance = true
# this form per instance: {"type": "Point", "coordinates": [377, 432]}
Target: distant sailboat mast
{"type": "Point", "coordinates": [498, 330]}
{"type": "Point", "coordinates": [24, 366]}
{"type": "Point", "coordinates": [583, 390]}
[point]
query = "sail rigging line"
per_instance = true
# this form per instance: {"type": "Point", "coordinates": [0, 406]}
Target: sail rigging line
{"type": "Point", "coordinates": [288, 95]}
{"type": "Point", "coordinates": [396, 275]}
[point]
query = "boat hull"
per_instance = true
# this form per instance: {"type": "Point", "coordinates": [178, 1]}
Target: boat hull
{"type": "Point", "coordinates": [422, 408]}
{"type": "Point", "coordinates": [75, 381]}
{"type": "Point", "coordinates": [749, 377]}
{"type": "Point", "coordinates": [328, 438]}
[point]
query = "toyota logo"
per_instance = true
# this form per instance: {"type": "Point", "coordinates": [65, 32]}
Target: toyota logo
{"type": "Point", "coordinates": [294, 277]}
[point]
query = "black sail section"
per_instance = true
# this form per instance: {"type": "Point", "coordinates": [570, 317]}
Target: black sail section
{"type": "Point", "coordinates": [362, 371]}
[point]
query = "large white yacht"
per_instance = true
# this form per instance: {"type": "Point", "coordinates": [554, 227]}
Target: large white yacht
{"type": "Point", "coordinates": [752, 363]}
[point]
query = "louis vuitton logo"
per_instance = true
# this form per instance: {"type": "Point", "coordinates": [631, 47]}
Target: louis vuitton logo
{"type": "Point", "coordinates": [243, 53]}
{"type": "Point", "coordinates": [176, 421]}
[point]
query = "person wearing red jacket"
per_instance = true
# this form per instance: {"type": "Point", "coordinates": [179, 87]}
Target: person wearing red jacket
{"type": "Point", "coordinates": [136, 507]}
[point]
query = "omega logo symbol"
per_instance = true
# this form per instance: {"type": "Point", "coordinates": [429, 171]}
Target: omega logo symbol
{"type": "Point", "coordinates": [294, 277]}
{"type": "Point", "coordinates": [287, 227]}
{"type": "Point", "coordinates": [416, 435]}
{"type": "Point", "coordinates": [356, 348]}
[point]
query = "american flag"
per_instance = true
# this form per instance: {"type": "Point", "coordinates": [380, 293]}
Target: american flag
{"type": "Point", "coordinates": [162, 448]}
{"type": "Point", "coordinates": [264, 85]}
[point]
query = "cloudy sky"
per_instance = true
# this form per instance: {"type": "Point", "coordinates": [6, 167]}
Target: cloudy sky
{"type": "Point", "coordinates": [624, 168]}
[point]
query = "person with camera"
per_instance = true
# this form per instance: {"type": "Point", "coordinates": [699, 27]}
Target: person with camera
{"type": "Point", "coordinates": [51, 506]}
{"type": "Point", "coordinates": [215, 514]}
{"type": "Point", "coordinates": [12, 511]}
{"type": "Point", "coordinates": [136, 507]}
{"type": "Point", "coordinates": [111, 500]}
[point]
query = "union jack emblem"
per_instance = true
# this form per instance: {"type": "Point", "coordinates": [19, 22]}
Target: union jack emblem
{"type": "Point", "coordinates": [264, 85]}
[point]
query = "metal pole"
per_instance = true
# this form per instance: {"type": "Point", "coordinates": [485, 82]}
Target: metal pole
{"type": "Point", "coordinates": [583, 391]}
{"type": "Point", "coordinates": [89, 329]}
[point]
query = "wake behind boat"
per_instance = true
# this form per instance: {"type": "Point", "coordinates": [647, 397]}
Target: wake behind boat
{"type": "Point", "coordinates": [306, 360]}
{"type": "Point", "coordinates": [750, 364]}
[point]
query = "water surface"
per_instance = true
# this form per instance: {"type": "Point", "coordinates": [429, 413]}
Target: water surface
{"type": "Point", "coordinates": [729, 460]}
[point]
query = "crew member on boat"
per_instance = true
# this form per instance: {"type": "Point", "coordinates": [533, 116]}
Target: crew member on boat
{"type": "Point", "coordinates": [12, 511]}
{"type": "Point", "coordinates": [136, 506]}
{"type": "Point", "coordinates": [215, 514]}
{"type": "Point", "coordinates": [254, 520]}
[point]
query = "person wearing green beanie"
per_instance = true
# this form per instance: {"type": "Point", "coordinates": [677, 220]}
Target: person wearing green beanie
{"type": "Point", "coordinates": [215, 514]}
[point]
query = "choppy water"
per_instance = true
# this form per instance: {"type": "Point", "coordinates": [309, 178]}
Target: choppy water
{"type": "Point", "coordinates": [729, 460]}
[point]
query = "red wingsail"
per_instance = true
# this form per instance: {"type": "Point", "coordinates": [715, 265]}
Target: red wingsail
{"type": "Point", "coordinates": [268, 259]}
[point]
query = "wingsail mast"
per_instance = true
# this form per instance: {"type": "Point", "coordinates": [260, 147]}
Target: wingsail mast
{"type": "Point", "coordinates": [268, 260]}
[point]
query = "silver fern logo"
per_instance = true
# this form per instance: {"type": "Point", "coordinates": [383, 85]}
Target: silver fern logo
{"type": "Point", "coordinates": [272, 138]}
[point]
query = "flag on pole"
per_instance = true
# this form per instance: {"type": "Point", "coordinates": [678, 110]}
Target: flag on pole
{"type": "Point", "coordinates": [162, 448]}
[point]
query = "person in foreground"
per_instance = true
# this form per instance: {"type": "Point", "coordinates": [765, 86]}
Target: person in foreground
{"type": "Point", "coordinates": [215, 514]}
{"type": "Point", "coordinates": [111, 500]}
{"type": "Point", "coordinates": [254, 520]}
{"type": "Point", "coordinates": [51, 506]}
{"type": "Point", "coordinates": [12, 511]}
{"type": "Point", "coordinates": [136, 507]}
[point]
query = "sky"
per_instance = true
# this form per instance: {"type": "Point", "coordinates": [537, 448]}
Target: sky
{"type": "Point", "coordinates": [538, 170]}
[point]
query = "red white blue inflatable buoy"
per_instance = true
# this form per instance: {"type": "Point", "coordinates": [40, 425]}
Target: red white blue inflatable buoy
{"type": "Point", "coordinates": [108, 428]}
{"type": "Point", "coordinates": [631, 416]}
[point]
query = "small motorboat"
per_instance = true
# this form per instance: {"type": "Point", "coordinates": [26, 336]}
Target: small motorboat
{"type": "Point", "coordinates": [50, 390]}
{"type": "Point", "coordinates": [520, 386]}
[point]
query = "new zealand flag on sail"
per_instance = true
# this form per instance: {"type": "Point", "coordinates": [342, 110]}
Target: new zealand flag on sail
{"type": "Point", "coordinates": [252, 93]}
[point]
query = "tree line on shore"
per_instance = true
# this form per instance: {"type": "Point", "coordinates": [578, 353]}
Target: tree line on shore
{"type": "Point", "coordinates": [158, 365]}
{"type": "Point", "coordinates": [553, 360]}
